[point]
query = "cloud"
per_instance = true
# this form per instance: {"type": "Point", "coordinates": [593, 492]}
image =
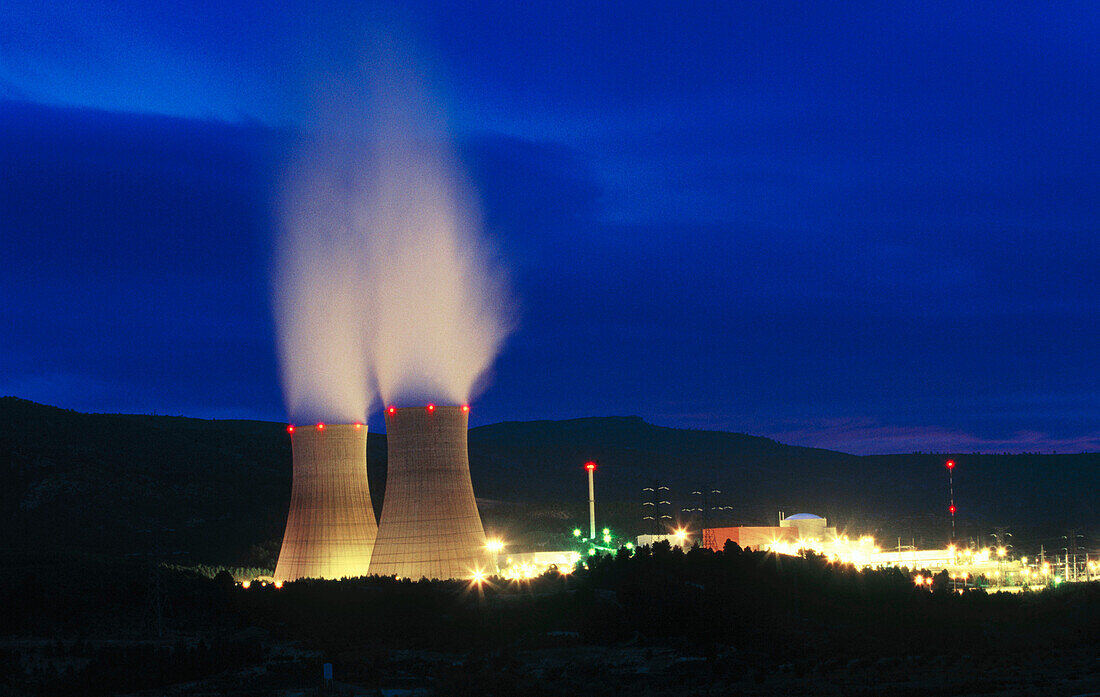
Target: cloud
{"type": "Point", "coordinates": [142, 256]}
{"type": "Point", "coordinates": [867, 436]}
{"type": "Point", "coordinates": [136, 250]}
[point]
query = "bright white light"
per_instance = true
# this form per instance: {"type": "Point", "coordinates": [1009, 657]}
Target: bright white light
{"type": "Point", "coordinates": [524, 571]}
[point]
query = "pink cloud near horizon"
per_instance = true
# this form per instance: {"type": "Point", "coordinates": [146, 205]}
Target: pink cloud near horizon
{"type": "Point", "coordinates": [862, 436]}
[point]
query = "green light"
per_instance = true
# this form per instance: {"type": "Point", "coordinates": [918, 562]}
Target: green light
{"type": "Point", "coordinates": [607, 531]}
{"type": "Point", "coordinates": [607, 538]}
{"type": "Point", "coordinates": [591, 551]}
{"type": "Point", "coordinates": [630, 545]}
{"type": "Point", "coordinates": [576, 532]}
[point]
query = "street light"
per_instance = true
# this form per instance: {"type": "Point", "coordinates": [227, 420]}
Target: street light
{"type": "Point", "coordinates": [680, 534]}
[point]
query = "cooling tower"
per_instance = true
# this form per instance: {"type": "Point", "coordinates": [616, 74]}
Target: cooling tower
{"type": "Point", "coordinates": [430, 526]}
{"type": "Point", "coordinates": [330, 529]}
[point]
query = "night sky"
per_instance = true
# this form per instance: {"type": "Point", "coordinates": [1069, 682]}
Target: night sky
{"type": "Point", "coordinates": [868, 228]}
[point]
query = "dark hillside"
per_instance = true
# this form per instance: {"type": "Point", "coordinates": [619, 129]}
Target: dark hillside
{"type": "Point", "coordinates": [757, 476]}
{"type": "Point", "coordinates": [217, 491]}
{"type": "Point", "coordinates": [134, 484]}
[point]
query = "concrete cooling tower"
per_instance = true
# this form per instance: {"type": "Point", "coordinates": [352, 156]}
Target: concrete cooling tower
{"type": "Point", "coordinates": [330, 529]}
{"type": "Point", "coordinates": [430, 526]}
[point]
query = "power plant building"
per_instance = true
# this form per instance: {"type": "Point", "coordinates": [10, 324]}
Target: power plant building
{"type": "Point", "coordinates": [330, 530]}
{"type": "Point", "coordinates": [801, 526]}
{"type": "Point", "coordinates": [430, 526]}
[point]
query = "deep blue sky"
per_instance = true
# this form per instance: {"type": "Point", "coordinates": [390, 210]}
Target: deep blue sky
{"type": "Point", "coordinates": [867, 228]}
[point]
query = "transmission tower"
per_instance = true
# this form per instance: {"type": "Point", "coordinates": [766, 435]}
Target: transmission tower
{"type": "Point", "coordinates": [656, 494]}
{"type": "Point", "coordinates": [1071, 536]}
{"type": "Point", "coordinates": [702, 508]}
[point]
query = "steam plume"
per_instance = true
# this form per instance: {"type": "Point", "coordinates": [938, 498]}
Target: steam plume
{"type": "Point", "coordinates": [319, 289]}
{"type": "Point", "coordinates": [440, 307]}
{"type": "Point", "coordinates": [382, 279]}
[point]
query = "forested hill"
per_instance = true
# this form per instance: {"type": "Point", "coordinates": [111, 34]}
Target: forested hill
{"type": "Point", "coordinates": [127, 484]}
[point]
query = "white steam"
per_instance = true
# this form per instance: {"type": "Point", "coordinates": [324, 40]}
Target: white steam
{"type": "Point", "coordinates": [321, 321]}
{"type": "Point", "coordinates": [382, 281]}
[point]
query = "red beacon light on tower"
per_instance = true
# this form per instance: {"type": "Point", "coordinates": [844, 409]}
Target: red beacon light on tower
{"type": "Point", "coordinates": [951, 509]}
{"type": "Point", "coordinates": [466, 408]}
{"type": "Point", "coordinates": [391, 410]}
{"type": "Point", "coordinates": [431, 408]}
{"type": "Point", "coordinates": [358, 425]}
{"type": "Point", "coordinates": [590, 466]}
{"type": "Point", "coordinates": [320, 427]}
{"type": "Point", "coordinates": [290, 428]}
{"type": "Point", "coordinates": [950, 464]}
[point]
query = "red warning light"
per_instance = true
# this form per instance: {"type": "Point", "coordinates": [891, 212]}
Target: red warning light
{"type": "Point", "coordinates": [320, 427]}
{"type": "Point", "coordinates": [290, 428]}
{"type": "Point", "coordinates": [950, 464]}
{"type": "Point", "coordinates": [952, 509]}
{"type": "Point", "coordinates": [358, 425]}
{"type": "Point", "coordinates": [431, 407]}
{"type": "Point", "coordinates": [466, 407]}
{"type": "Point", "coordinates": [392, 410]}
{"type": "Point", "coordinates": [590, 466]}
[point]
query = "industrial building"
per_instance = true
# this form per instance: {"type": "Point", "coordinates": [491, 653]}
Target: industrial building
{"type": "Point", "coordinates": [526, 565]}
{"type": "Point", "coordinates": [809, 532]}
{"type": "Point", "coordinates": [679, 538]}
{"type": "Point", "coordinates": [802, 526]}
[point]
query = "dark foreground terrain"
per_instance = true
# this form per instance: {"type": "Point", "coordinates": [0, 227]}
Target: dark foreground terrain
{"type": "Point", "coordinates": [659, 623]}
{"type": "Point", "coordinates": [114, 529]}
